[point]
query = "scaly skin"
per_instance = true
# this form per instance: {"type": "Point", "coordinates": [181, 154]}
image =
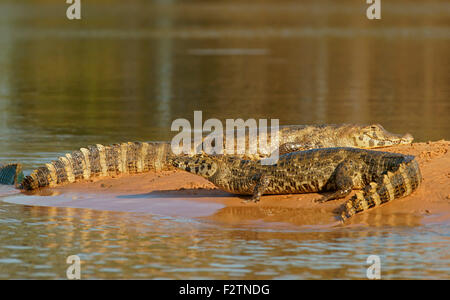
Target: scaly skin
{"type": "Point", "coordinates": [100, 161]}
{"type": "Point", "coordinates": [11, 174]}
{"type": "Point", "coordinates": [137, 157]}
{"type": "Point", "coordinates": [383, 176]}
{"type": "Point", "coordinates": [304, 137]}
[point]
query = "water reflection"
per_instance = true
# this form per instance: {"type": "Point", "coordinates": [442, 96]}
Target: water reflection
{"type": "Point", "coordinates": [120, 245]}
{"type": "Point", "coordinates": [275, 217]}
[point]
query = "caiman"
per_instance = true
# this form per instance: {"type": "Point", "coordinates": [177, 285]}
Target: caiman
{"type": "Point", "coordinates": [382, 176]}
{"type": "Point", "coordinates": [11, 174]}
{"type": "Point", "coordinates": [137, 157]}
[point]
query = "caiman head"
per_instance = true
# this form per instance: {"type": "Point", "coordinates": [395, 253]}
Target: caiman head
{"type": "Point", "coordinates": [206, 166]}
{"type": "Point", "coordinates": [373, 136]}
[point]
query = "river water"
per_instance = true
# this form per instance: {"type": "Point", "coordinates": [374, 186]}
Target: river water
{"type": "Point", "coordinates": [125, 72]}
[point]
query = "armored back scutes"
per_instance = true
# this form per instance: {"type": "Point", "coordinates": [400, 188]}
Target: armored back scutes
{"type": "Point", "coordinates": [100, 161]}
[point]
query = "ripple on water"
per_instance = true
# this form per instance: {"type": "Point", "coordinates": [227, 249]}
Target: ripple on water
{"type": "Point", "coordinates": [10, 261]}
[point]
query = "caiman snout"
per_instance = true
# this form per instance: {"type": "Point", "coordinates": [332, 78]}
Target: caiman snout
{"type": "Point", "coordinates": [374, 136]}
{"type": "Point", "coordinates": [407, 138]}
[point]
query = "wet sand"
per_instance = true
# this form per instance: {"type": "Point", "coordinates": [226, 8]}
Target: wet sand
{"type": "Point", "coordinates": [177, 193]}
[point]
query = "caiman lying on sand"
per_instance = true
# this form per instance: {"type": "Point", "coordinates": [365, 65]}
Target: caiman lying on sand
{"type": "Point", "coordinates": [138, 157]}
{"type": "Point", "coordinates": [383, 176]}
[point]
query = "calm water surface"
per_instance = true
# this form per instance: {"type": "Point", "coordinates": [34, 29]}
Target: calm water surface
{"type": "Point", "coordinates": [37, 240]}
{"type": "Point", "coordinates": [126, 72]}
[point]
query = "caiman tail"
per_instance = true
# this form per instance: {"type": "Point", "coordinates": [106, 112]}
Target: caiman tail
{"type": "Point", "coordinates": [11, 174]}
{"type": "Point", "coordinates": [100, 161]}
{"type": "Point", "coordinates": [392, 185]}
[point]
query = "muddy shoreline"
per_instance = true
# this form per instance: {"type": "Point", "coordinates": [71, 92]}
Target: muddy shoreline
{"type": "Point", "coordinates": [184, 194]}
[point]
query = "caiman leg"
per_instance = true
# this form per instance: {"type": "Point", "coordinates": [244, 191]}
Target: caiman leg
{"type": "Point", "coordinates": [263, 181]}
{"type": "Point", "coordinates": [343, 180]}
{"type": "Point", "coordinates": [261, 185]}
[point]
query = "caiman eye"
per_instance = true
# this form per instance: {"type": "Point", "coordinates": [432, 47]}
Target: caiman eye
{"type": "Point", "coordinates": [378, 127]}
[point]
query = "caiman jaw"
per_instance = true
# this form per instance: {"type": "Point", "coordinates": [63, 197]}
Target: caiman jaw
{"type": "Point", "coordinates": [406, 139]}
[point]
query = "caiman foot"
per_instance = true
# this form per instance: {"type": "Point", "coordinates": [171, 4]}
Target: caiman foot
{"type": "Point", "coordinates": [322, 199]}
{"type": "Point", "coordinates": [334, 196]}
{"type": "Point", "coordinates": [262, 182]}
{"type": "Point", "coordinates": [251, 200]}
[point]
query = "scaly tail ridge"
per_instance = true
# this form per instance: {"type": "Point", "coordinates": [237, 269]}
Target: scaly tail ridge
{"type": "Point", "coordinates": [392, 185]}
{"type": "Point", "coordinates": [11, 174]}
{"type": "Point", "coordinates": [100, 161]}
